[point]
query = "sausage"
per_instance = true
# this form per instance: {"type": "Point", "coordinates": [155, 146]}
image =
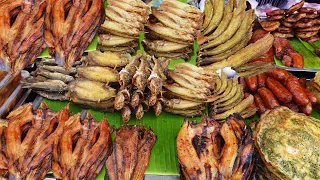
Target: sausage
{"type": "Point", "coordinates": [268, 98]}
{"type": "Point", "coordinates": [242, 81]}
{"type": "Point", "coordinates": [253, 105]}
{"type": "Point", "coordinates": [260, 104]}
{"type": "Point", "coordinates": [298, 93]}
{"type": "Point", "coordinates": [291, 105]}
{"type": "Point", "coordinates": [303, 82]}
{"type": "Point", "coordinates": [279, 74]}
{"type": "Point", "coordinates": [262, 80]}
{"type": "Point", "coordinates": [279, 90]}
{"type": "Point", "coordinates": [312, 97]}
{"type": "Point", "coordinates": [307, 109]}
{"type": "Point", "coordinates": [252, 83]}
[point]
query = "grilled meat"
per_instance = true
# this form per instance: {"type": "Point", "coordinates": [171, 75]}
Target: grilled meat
{"type": "Point", "coordinates": [70, 27]}
{"type": "Point", "coordinates": [210, 151]}
{"type": "Point", "coordinates": [21, 36]}
{"type": "Point", "coordinates": [131, 153]}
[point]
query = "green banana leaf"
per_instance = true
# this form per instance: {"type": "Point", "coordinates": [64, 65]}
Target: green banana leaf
{"type": "Point", "coordinates": [311, 61]}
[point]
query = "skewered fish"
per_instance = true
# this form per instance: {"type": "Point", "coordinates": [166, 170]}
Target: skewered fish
{"type": "Point", "coordinates": [131, 153]}
{"type": "Point", "coordinates": [69, 29]}
{"type": "Point", "coordinates": [209, 150]}
{"type": "Point", "coordinates": [21, 36]}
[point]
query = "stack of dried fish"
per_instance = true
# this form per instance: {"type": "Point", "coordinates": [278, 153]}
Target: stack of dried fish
{"type": "Point", "coordinates": [188, 89]}
{"type": "Point", "coordinates": [36, 141]}
{"type": "Point", "coordinates": [92, 87]}
{"type": "Point", "coordinates": [209, 150]}
{"type": "Point", "coordinates": [227, 33]}
{"type": "Point", "coordinates": [29, 140]}
{"type": "Point", "coordinates": [70, 27]}
{"type": "Point", "coordinates": [121, 29]}
{"type": "Point", "coordinates": [82, 149]}
{"type": "Point", "coordinates": [140, 86]}
{"type": "Point", "coordinates": [172, 29]}
{"type": "Point", "coordinates": [131, 153]}
{"type": "Point", "coordinates": [21, 35]}
{"type": "Point", "coordinates": [231, 99]}
{"type": "Point", "coordinates": [50, 80]}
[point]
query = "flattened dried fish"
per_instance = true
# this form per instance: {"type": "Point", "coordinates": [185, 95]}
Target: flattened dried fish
{"type": "Point", "coordinates": [53, 95]}
{"type": "Point", "coordinates": [54, 75]}
{"type": "Point", "coordinates": [48, 85]}
{"type": "Point", "coordinates": [97, 73]}
{"type": "Point", "coordinates": [108, 59]}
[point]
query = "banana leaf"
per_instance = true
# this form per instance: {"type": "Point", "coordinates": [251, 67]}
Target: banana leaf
{"type": "Point", "coordinates": [311, 60]}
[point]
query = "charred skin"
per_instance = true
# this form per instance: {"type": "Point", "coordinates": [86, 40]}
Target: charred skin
{"type": "Point", "coordinates": [131, 153]}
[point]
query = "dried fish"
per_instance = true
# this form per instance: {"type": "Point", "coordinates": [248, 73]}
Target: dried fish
{"type": "Point", "coordinates": [126, 74]}
{"type": "Point", "coordinates": [54, 75]}
{"type": "Point", "coordinates": [108, 59]}
{"type": "Point", "coordinates": [47, 85]}
{"type": "Point", "coordinates": [53, 95]}
{"type": "Point", "coordinates": [139, 79]}
{"type": "Point", "coordinates": [58, 69]}
{"type": "Point", "coordinates": [97, 73]}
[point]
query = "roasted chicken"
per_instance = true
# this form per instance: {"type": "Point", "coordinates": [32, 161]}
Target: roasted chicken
{"type": "Point", "coordinates": [209, 150]}
{"type": "Point", "coordinates": [70, 27]}
{"type": "Point", "coordinates": [131, 153]}
{"type": "Point", "coordinates": [21, 36]}
{"type": "Point", "coordinates": [81, 151]}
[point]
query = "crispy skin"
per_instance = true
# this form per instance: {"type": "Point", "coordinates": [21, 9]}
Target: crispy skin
{"type": "Point", "coordinates": [283, 35]}
{"type": "Point", "coordinates": [131, 153]}
{"type": "Point", "coordinates": [30, 140]}
{"type": "Point", "coordinates": [307, 34]}
{"type": "Point", "coordinates": [295, 17]}
{"type": "Point", "coordinates": [69, 36]}
{"type": "Point", "coordinates": [21, 36]}
{"type": "Point", "coordinates": [307, 10]}
{"type": "Point", "coordinates": [82, 148]}
{"type": "Point", "coordinates": [200, 153]}
{"type": "Point", "coordinates": [313, 28]}
{"type": "Point", "coordinates": [275, 18]}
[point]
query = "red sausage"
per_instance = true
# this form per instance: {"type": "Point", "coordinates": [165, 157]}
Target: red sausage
{"type": "Point", "coordinates": [303, 82]}
{"type": "Point", "coordinates": [298, 93]}
{"type": "Point", "coordinates": [252, 83]}
{"type": "Point", "coordinates": [291, 105]}
{"type": "Point", "coordinates": [260, 104]}
{"type": "Point", "coordinates": [279, 90]}
{"type": "Point", "coordinates": [307, 109]}
{"type": "Point", "coordinates": [242, 81]}
{"type": "Point", "coordinates": [253, 105]}
{"type": "Point", "coordinates": [262, 80]}
{"type": "Point", "coordinates": [311, 96]}
{"type": "Point", "coordinates": [268, 98]}
{"type": "Point", "coordinates": [279, 74]}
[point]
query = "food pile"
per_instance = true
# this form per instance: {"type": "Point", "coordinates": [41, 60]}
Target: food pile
{"type": "Point", "coordinates": [285, 52]}
{"type": "Point", "coordinates": [210, 150]}
{"type": "Point", "coordinates": [226, 34]}
{"type": "Point", "coordinates": [140, 86]}
{"type": "Point", "coordinates": [125, 19]}
{"type": "Point", "coordinates": [131, 152]}
{"type": "Point", "coordinates": [50, 80]}
{"type": "Point", "coordinates": [230, 98]}
{"type": "Point", "coordinates": [278, 87]}
{"type": "Point", "coordinates": [287, 143]}
{"type": "Point", "coordinates": [70, 27]}
{"type": "Point", "coordinates": [21, 35]}
{"type": "Point", "coordinates": [172, 29]}
{"type": "Point", "coordinates": [299, 21]}
{"type": "Point", "coordinates": [35, 141]}
{"type": "Point", "coordinates": [187, 90]}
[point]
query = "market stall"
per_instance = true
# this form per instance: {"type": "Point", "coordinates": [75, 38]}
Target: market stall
{"type": "Point", "coordinates": [126, 88]}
